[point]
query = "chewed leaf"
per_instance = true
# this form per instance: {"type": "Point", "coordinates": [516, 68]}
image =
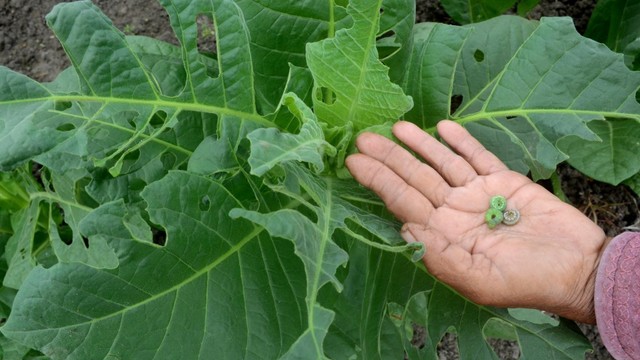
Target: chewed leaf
{"type": "Point", "coordinates": [280, 31]}
{"type": "Point", "coordinates": [19, 248]}
{"type": "Point", "coordinates": [110, 69]}
{"type": "Point", "coordinates": [430, 73]}
{"type": "Point", "coordinates": [195, 204]}
{"type": "Point", "coordinates": [270, 147]}
{"type": "Point", "coordinates": [615, 158]}
{"type": "Point", "coordinates": [359, 92]}
{"type": "Point", "coordinates": [547, 84]}
{"type": "Point", "coordinates": [169, 296]}
{"type": "Point", "coordinates": [321, 257]}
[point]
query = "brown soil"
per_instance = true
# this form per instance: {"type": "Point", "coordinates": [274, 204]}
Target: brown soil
{"type": "Point", "coordinates": [26, 45]}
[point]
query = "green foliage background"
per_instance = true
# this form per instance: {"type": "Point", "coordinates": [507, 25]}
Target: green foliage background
{"type": "Point", "coordinates": [192, 204]}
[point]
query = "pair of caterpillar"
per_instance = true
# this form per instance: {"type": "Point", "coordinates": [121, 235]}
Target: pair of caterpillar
{"type": "Point", "coordinates": [498, 213]}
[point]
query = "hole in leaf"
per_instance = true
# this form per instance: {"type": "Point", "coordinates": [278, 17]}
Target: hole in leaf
{"type": "Point", "coordinates": [66, 127]}
{"type": "Point", "coordinates": [158, 119]}
{"type": "Point", "coordinates": [65, 233]}
{"type": "Point", "coordinates": [132, 157]}
{"type": "Point", "coordinates": [509, 117]}
{"type": "Point", "coordinates": [159, 236]}
{"type": "Point", "coordinates": [325, 95]}
{"type": "Point", "coordinates": [456, 101]}
{"type": "Point", "coordinates": [205, 203]}
{"type": "Point", "coordinates": [509, 349]}
{"type": "Point", "coordinates": [478, 55]}
{"type": "Point", "coordinates": [62, 105]}
{"type": "Point", "coordinates": [85, 241]}
{"type": "Point", "coordinates": [418, 339]}
{"type": "Point", "coordinates": [638, 96]}
{"type": "Point", "coordinates": [387, 34]}
{"type": "Point", "coordinates": [448, 347]}
{"type": "Point", "coordinates": [386, 44]}
{"type": "Point", "coordinates": [206, 34]}
{"type": "Point", "coordinates": [137, 185]}
{"type": "Point", "coordinates": [381, 11]}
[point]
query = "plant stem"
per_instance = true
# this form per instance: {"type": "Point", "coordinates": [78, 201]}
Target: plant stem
{"type": "Point", "coordinates": [332, 21]}
{"type": "Point", "coordinates": [556, 185]}
{"type": "Point", "coordinates": [331, 32]}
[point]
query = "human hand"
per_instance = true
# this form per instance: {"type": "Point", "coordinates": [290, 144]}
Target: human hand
{"type": "Point", "coordinates": [547, 260]}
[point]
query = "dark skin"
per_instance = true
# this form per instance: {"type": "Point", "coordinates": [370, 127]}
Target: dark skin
{"type": "Point", "coordinates": [546, 261]}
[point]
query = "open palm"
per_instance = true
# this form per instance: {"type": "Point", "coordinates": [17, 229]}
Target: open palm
{"type": "Point", "coordinates": [546, 261]}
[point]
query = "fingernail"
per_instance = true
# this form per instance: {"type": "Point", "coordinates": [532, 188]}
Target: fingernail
{"type": "Point", "coordinates": [407, 235]}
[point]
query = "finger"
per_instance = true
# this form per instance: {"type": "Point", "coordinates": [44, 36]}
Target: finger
{"type": "Point", "coordinates": [452, 264]}
{"type": "Point", "coordinates": [404, 201]}
{"type": "Point", "coordinates": [452, 167]}
{"type": "Point", "coordinates": [415, 173]}
{"type": "Point", "coordinates": [482, 160]}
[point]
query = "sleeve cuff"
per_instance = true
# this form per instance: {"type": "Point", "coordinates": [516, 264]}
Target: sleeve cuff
{"type": "Point", "coordinates": [617, 296]}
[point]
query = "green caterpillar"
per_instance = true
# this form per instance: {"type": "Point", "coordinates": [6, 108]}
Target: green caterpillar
{"type": "Point", "coordinates": [498, 213]}
{"type": "Point", "coordinates": [498, 202]}
{"type": "Point", "coordinates": [493, 217]}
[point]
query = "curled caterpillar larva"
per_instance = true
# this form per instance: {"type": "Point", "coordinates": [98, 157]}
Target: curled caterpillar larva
{"type": "Point", "coordinates": [510, 217]}
{"type": "Point", "coordinates": [493, 217]}
{"type": "Point", "coordinates": [498, 202]}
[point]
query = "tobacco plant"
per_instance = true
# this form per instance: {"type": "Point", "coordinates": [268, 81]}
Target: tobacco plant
{"type": "Point", "coordinates": [164, 202]}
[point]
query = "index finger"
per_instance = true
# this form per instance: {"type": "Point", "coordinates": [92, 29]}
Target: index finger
{"type": "Point", "coordinates": [403, 200]}
{"type": "Point", "coordinates": [461, 141]}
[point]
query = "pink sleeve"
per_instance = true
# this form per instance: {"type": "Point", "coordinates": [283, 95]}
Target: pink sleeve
{"type": "Point", "coordinates": [617, 296]}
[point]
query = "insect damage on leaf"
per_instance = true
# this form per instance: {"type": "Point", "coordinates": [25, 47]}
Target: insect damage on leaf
{"type": "Point", "coordinates": [203, 192]}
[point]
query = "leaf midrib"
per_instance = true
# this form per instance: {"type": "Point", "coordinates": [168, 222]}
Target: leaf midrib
{"type": "Point", "coordinates": [196, 107]}
{"type": "Point", "coordinates": [483, 115]}
{"type": "Point", "coordinates": [355, 105]}
{"type": "Point", "coordinates": [236, 248]}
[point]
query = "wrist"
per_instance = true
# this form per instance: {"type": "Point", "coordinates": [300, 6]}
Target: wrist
{"type": "Point", "coordinates": [582, 304]}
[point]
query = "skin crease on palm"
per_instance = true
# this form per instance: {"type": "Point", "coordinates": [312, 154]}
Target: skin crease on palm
{"type": "Point", "coordinates": [546, 261]}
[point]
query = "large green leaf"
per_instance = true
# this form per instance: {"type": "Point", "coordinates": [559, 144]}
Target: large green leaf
{"type": "Point", "coordinates": [430, 75]}
{"type": "Point", "coordinates": [417, 312]}
{"type": "Point", "coordinates": [16, 119]}
{"type": "Point", "coordinates": [149, 148]}
{"type": "Point", "coordinates": [19, 248]}
{"type": "Point", "coordinates": [279, 33]}
{"type": "Point", "coordinates": [612, 160]}
{"type": "Point", "coordinates": [219, 288]}
{"type": "Point", "coordinates": [361, 92]}
{"type": "Point", "coordinates": [269, 147]}
{"type": "Point", "coordinates": [315, 242]}
{"type": "Point", "coordinates": [615, 23]}
{"type": "Point", "coordinates": [395, 38]}
{"type": "Point", "coordinates": [472, 11]}
{"type": "Point", "coordinates": [536, 83]}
